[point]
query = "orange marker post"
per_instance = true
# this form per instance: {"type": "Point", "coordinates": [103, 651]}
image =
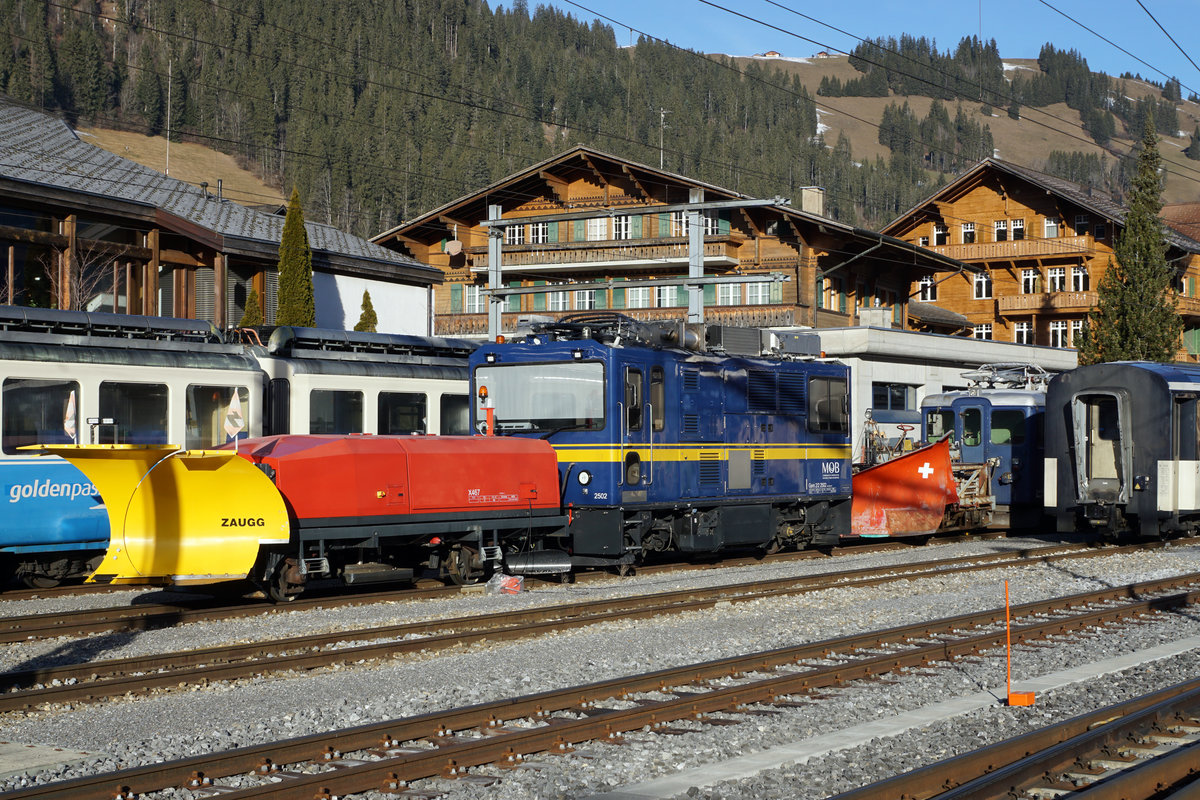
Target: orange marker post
{"type": "Point", "coordinates": [1014, 698]}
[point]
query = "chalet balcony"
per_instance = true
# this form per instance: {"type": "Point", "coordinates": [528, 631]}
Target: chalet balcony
{"type": "Point", "coordinates": [1024, 248]}
{"type": "Point", "coordinates": [719, 251]}
{"type": "Point", "coordinates": [758, 316]}
{"type": "Point", "coordinates": [1046, 303]}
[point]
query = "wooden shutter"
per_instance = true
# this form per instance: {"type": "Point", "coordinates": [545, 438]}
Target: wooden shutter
{"type": "Point", "coordinates": [456, 291]}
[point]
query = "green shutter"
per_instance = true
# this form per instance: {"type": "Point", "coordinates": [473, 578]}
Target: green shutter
{"type": "Point", "coordinates": [512, 303]}
{"type": "Point", "coordinates": [635, 226]}
{"type": "Point", "coordinates": [443, 245]}
{"type": "Point", "coordinates": [776, 291]}
{"type": "Point", "coordinates": [896, 315]}
{"type": "Point", "coordinates": [723, 223]}
{"type": "Point", "coordinates": [539, 299]}
{"type": "Point", "coordinates": [552, 232]}
{"type": "Point", "coordinates": [841, 300]}
{"type": "Point", "coordinates": [580, 234]}
{"type": "Point", "coordinates": [710, 294]}
{"type": "Point", "coordinates": [618, 296]}
{"type": "Point", "coordinates": [601, 298]}
{"type": "Point", "coordinates": [456, 298]}
{"type": "Point", "coordinates": [681, 296]}
{"type": "Point", "coordinates": [664, 224]}
{"type": "Point", "coordinates": [1191, 286]}
{"type": "Point", "coordinates": [820, 292]}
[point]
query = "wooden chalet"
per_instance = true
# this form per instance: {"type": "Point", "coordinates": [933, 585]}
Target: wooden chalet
{"type": "Point", "coordinates": [1041, 245]}
{"type": "Point", "coordinates": [84, 229]}
{"type": "Point", "coordinates": [608, 233]}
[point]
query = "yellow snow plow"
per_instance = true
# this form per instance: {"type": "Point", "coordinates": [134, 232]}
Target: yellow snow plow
{"type": "Point", "coordinates": [179, 516]}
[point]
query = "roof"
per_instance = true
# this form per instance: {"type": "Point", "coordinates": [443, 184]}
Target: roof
{"type": "Point", "coordinates": [589, 158]}
{"type": "Point", "coordinates": [43, 152]}
{"type": "Point", "coordinates": [1095, 202]}
{"type": "Point", "coordinates": [928, 312]}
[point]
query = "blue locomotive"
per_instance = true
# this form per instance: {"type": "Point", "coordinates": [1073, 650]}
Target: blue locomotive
{"type": "Point", "coordinates": [996, 432]}
{"type": "Point", "coordinates": [1122, 451]}
{"type": "Point", "coordinates": [666, 443]}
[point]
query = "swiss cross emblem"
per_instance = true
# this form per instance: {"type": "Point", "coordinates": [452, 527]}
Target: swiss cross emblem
{"type": "Point", "coordinates": [925, 471]}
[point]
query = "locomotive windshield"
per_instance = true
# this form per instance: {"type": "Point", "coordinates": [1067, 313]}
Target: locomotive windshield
{"type": "Point", "coordinates": [543, 397]}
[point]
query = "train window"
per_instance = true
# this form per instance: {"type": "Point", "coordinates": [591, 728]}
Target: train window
{"type": "Point", "coordinates": [544, 397]}
{"type": "Point", "coordinates": [280, 393]}
{"type": "Point", "coordinates": [1008, 426]}
{"type": "Point", "coordinates": [39, 412]}
{"type": "Point", "coordinates": [633, 399]}
{"type": "Point", "coordinates": [658, 399]}
{"type": "Point", "coordinates": [1184, 425]}
{"type": "Point", "coordinates": [402, 412]}
{"type": "Point", "coordinates": [938, 423]}
{"type": "Point", "coordinates": [972, 427]}
{"type": "Point", "coordinates": [216, 415]}
{"type": "Point", "coordinates": [456, 415]}
{"type": "Point", "coordinates": [332, 411]}
{"type": "Point", "coordinates": [827, 405]}
{"type": "Point", "coordinates": [139, 411]}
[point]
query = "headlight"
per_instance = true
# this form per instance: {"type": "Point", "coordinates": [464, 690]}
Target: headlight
{"type": "Point", "coordinates": [585, 477]}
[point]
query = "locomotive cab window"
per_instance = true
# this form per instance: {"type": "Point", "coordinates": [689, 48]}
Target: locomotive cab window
{"type": "Point", "coordinates": [216, 415]}
{"type": "Point", "coordinates": [658, 399]}
{"type": "Point", "coordinates": [1183, 423]}
{"type": "Point", "coordinates": [456, 415]}
{"type": "Point", "coordinates": [543, 397]}
{"type": "Point", "coordinates": [1008, 426]}
{"type": "Point", "coordinates": [633, 399]}
{"type": "Point", "coordinates": [828, 404]}
{"type": "Point", "coordinates": [332, 411]}
{"type": "Point", "coordinates": [138, 410]}
{"type": "Point", "coordinates": [972, 427]}
{"type": "Point", "coordinates": [402, 412]}
{"type": "Point", "coordinates": [938, 423]}
{"type": "Point", "coordinates": [39, 412]}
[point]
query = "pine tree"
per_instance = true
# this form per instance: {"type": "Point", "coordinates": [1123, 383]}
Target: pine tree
{"type": "Point", "coordinates": [253, 315]}
{"type": "Point", "coordinates": [1192, 151]}
{"type": "Point", "coordinates": [1136, 318]}
{"type": "Point", "coordinates": [367, 321]}
{"type": "Point", "coordinates": [296, 304]}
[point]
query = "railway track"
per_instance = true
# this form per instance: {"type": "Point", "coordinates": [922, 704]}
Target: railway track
{"type": "Point", "coordinates": [96, 680]}
{"type": "Point", "coordinates": [1147, 748]}
{"type": "Point", "coordinates": [457, 742]}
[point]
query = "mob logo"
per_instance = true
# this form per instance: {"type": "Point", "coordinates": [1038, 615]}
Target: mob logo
{"type": "Point", "coordinates": [831, 468]}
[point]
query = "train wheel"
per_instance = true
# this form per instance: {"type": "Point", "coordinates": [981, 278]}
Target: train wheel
{"type": "Point", "coordinates": [463, 566]}
{"type": "Point", "coordinates": [36, 581]}
{"type": "Point", "coordinates": [280, 589]}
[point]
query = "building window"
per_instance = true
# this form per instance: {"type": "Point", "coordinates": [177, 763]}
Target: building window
{"type": "Point", "coordinates": [679, 226]}
{"type": "Point", "coordinates": [1081, 224]}
{"type": "Point", "coordinates": [861, 298]}
{"type": "Point", "coordinates": [968, 232]}
{"type": "Point", "coordinates": [983, 286]}
{"type": "Point", "coordinates": [1018, 230]}
{"type": "Point", "coordinates": [1058, 333]}
{"type": "Point", "coordinates": [621, 227]}
{"type": "Point", "coordinates": [1051, 228]}
{"type": "Point", "coordinates": [893, 397]}
{"type": "Point", "coordinates": [983, 331]}
{"type": "Point", "coordinates": [1030, 278]}
{"type": "Point", "coordinates": [1076, 332]}
{"type": "Point", "coordinates": [1023, 333]}
{"type": "Point", "coordinates": [1101, 230]}
{"type": "Point", "coordinates": [638, 297]}
{"type": "Point", "coordinates": [558, 301]}
{"type": "Point", "coordinates": [666, 296]}
{"type": "Point", "coordinates": [712, 222]}
{"type": "Point", "coordinates": [927, 289]}
{"type": "Point", "coordinates": [729, 294]}
{"type": "Point", "coordinates": [1057, 278]}
{"type": "Point", "coordinates": [539, 232]}
{"type": "Point", "coordinates": [1079, 279]}
{"type": "Point", "coordinates": [474, 300]}
{"type": "Point", "coordinates": [758, 294]}
{"type": "Point", "coordinates": [1000, 230]}
{"type": "Point", "coordinates": [514, 234]}
{"type": "Point", "coordinates": [597, 229]}
{"type": "Point", "coordinates": [834, 295]}
{"type": "Point", "coordinates": [923, 241]}
{"type": "Point", "coordinates": [941, 234]}
{"type": "Point", "coordinates": [585, 300]}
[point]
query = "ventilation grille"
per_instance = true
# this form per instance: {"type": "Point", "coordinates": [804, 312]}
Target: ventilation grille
{"type": "Point", "coordinates": [758, 462]}
{"type": "Point", "coordinates": [710, 468]}
{"type": "Point", "coordinates": [691, 423]}
{"type": "Point", "coordinates": [791, 394]}
{"type": "Point", "coordinates": [691, 380]}
{"type": "Point", "coordinates": [761, 391]}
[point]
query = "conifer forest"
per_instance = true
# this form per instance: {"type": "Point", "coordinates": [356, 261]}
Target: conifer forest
{"type": "Point", "coordinates": [378, 111]}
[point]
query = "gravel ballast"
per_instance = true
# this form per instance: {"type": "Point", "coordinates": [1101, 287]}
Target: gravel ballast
{"type": "Point", "coordinates": [183, 723]}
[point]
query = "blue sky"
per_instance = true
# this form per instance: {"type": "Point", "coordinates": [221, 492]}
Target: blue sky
{"type": "Point", "coordinates": [1020, 27]}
